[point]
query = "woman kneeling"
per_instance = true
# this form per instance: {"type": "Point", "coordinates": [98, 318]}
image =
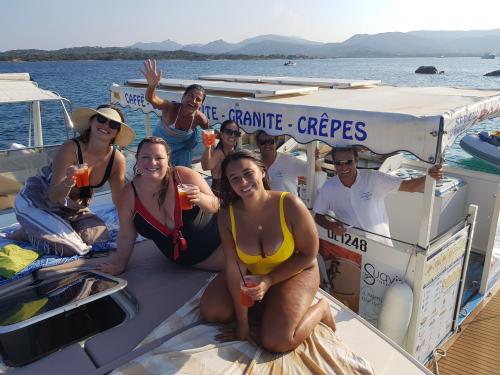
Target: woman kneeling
{"type": "Point", "coordinates": [272, 236]}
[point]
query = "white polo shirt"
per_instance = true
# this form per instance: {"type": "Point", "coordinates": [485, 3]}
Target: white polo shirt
{"type": "Point", "coordinates": [362, 205]}
{"type": "Point", "coordinates": [285, 170]}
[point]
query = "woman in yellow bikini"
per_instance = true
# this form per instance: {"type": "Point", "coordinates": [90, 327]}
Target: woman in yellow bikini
{"type": "Point", "coordinates": [270, 235]}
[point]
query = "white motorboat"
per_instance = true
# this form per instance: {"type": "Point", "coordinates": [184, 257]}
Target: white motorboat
{"type": "Point", "coordinates": [483, 146]}
{"type": "Point", "coordinates": [290, 63]}
{"type": "Point", "coordinates": [432, 254]}
{"type": "Point", "coordinates": [434, 242]}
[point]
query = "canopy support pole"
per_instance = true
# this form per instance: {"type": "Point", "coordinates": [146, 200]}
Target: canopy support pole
{"type": "Point", "coordinates": [311, 174]}
{"type": "Point", "coordinates": [37, 123]}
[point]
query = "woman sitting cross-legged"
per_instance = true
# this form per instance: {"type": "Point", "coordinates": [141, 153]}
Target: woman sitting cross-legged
{"type": "Point", "coordinates": [272, 236]}
{"type": "Point", "coordinates": [52, 207]}
{"type": "Point", "coordinates": [158, 204]}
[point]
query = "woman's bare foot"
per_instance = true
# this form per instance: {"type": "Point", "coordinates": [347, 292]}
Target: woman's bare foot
{"type": "Point", "coordinates": [327, 315]}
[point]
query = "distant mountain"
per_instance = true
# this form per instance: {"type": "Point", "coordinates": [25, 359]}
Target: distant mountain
{"type": "Point", "coordinates": [166, 45]}
{"type": "Point", "coordinates": [260, 45]}
{"type": "Point", "coordinates": [278, 39]}
{"type": "Point", "coordinates": [218, 46]}
{"type": "Point", "coordinates": [390, 44]}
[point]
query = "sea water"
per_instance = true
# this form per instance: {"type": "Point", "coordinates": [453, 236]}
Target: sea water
{"type": "Point", "coordinates": [87, 83]}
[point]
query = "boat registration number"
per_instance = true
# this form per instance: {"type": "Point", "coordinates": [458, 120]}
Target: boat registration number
{"type": "Point", "coordinates": [349, 240]}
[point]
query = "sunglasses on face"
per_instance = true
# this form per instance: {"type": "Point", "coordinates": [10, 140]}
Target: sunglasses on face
{"type": "Point", "coordinates": [115, 125]}
{"type": "Point", "coordinates": [343, 162]}
{"type": "Point", "coordinates": [266, 142]}
{"type": "Point", "coordinates": [235, 133]}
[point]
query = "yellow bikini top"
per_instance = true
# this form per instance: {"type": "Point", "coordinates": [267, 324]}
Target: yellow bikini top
{"type": "Point", "coordinates": [257, 264]}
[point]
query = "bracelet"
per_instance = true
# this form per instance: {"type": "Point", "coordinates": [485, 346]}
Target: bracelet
{"type": "Point", "coordinates": [66, 184]}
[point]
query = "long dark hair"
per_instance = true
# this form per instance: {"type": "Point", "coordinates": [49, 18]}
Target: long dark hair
{"type": "Point", "coordinates": [227, 193]}
{"type": "Point", "coordinates": [224, 125]}
{"type": "Point", "coordinates": [164, 183]}
{"type": "Point", "coordinates": [85, 136]}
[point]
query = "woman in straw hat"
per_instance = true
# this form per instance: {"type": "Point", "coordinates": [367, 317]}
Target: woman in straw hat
{"type": "Point", "coordinates": [51, 208]}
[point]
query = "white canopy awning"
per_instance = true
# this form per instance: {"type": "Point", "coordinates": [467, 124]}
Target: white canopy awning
{"type": "Point", "coordinates": [385, 119]}
{"type": "Point", "coordinates": [18, 91]}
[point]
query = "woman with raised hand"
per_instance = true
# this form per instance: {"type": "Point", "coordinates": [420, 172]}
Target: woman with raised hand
{"type": "Point", "coordinates": [212, 157]}
{"type": "Point", "coordinates": [52, 207]}
{"type": "Point", "coordinates": [180, 124]}
{"type": "Point", "coordinates": [173, 206]}
{"type": "Point", "coordinates": [271, 237]}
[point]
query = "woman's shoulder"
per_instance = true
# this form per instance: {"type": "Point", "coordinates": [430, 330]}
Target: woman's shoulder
{"type": "Point", "coordinates": [120, 158]}
{"type": "Point", "coordinates": [67, 150]}
{"type": "Point", "coordinates": [291, 202]}
{"type": "Point", "coordinates": [201, 118]}
{"type": "Point", "coordinates": [70, 144]}
{"type": "Point", "coordinates": [128, 190]}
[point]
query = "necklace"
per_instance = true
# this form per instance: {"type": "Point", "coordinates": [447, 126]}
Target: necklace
{"type": "Point", "coordinates": [259, 227]}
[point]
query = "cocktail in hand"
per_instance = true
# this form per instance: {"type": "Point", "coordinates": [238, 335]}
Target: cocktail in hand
{"type": "Point", "coordinates": [208, 137]}
{"type": "Point", "coordinates": [183, 190]}
{"type": "Point", "coordinates": [250, 282]}
{"type": "Point", "coordinates": [82, 175]}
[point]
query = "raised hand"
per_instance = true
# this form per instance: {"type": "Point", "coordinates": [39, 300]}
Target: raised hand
{"type": "Point", "coordinates": [152, 76]}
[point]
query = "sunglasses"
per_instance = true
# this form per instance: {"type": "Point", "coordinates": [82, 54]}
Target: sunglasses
{"type": "Point", "coordinates": [115, 125]}
{"type": "Point", "coordinates": [266, 142]}
{"type": "Point", "coordinates": [343, 162]}
{"type": "Point", "coordinates": [235, 133]}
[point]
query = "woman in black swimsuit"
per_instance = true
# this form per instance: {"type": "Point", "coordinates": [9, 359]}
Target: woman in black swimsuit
{"type": "Point", "coordinates": [51, 209]}
{"type": "Point", "coordinates": [150, 206]}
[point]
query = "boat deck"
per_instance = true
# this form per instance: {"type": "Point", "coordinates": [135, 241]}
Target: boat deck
{"type": "Point", "coordinates": [476, 349]}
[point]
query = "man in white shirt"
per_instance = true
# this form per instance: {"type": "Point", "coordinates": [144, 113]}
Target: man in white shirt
{"type": "Point", "coordinates": [357, 196]}
{"type": "Point", "coordinates": [282, 169]}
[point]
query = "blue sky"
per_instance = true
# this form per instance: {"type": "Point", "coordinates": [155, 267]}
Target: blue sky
{"type": "Point", "coordinates": [53, 24]}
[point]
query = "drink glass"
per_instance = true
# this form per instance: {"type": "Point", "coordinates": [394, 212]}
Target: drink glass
{"type": "Point", "coordinates": [250, 281]}
{"type": "Point", "coordinates": [82, 175]}
{"type": "Point", "coordinates": [183, 190]}
{"type": "Point", "coordinates": [208, 137]}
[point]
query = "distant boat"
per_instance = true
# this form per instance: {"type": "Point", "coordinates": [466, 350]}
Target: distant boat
{"type": "Point", "coordinates": [484, 146]}
{"type": "Point", "coordinates": [290, 63]}
{"type": "Point", "coordinates": [489, 55]}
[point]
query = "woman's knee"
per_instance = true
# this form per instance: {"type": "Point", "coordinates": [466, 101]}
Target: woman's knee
{"type": "Point", "coordinates": [277, 342]}
{"type": "Point", "coordinates": [215, 312]}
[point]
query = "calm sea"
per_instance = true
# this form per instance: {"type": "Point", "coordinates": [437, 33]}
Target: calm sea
{"type": "Point", "coordinates": [86, 83]}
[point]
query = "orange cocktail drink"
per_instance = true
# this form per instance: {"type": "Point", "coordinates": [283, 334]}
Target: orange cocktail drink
{"type": "Point", "coordinates": [208, 137]}
{"type": "Point", "coordinates": [82, 175]}
{"type": "Point", "coordinates": [250, 282]}
{"type": "Point", "coordinates": [183, 190]}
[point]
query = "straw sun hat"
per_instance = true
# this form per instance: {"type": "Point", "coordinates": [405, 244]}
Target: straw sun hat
{"type": "Point", "coordinates": [81, 121]}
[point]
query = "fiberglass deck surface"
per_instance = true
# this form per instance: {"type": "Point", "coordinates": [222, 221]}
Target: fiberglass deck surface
{"type": "Point", "coordinates": [476, 351]}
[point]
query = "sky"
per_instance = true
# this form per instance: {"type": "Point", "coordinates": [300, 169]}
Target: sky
{"type": "Point", "coordinates": [54, 24]}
